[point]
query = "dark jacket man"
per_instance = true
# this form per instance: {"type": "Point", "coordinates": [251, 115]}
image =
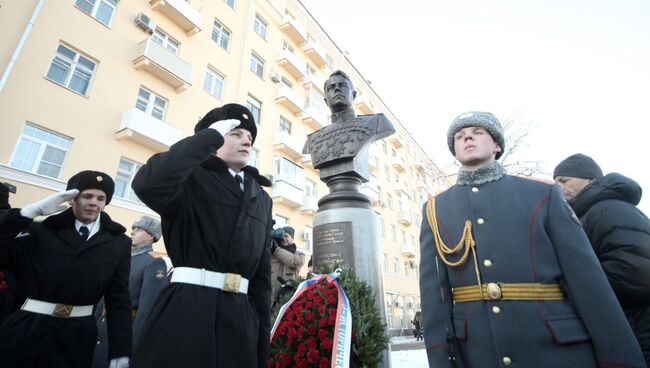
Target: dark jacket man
{"type": "Point", "coordinates": [217, 231]}
{"type": "Point", "coordinates": [286, 259]}
{"type": "Point", "coordinates": [507, 275]}
{"type": "Point", "coordinates": [619, 233]}
{"type": "Point", "coordinates": [7, 279]}
{"type": "Point", "coordinates": [148, 277]}
{"type": "Point", "coordinates": [54, 264]}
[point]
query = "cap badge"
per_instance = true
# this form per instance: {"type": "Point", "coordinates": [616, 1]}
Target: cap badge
{"type": "Point", "coordinates": [245, 116]}
{"type": "Point", "coordinates": [99, 178]}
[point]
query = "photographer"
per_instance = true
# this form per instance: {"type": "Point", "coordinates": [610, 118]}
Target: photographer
{"type": "Point", "coordinates": [286, 260]}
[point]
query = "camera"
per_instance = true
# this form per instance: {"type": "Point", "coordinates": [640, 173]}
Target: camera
{"type": "Point", "coordinates": [277, 234]}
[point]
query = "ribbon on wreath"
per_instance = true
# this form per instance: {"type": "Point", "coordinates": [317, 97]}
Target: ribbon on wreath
{"type": "Point", "coordinates": [342, 344]}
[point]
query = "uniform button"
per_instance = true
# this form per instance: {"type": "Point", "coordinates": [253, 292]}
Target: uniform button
{"type": "Point", "coordinates": [480, 221]}
{"type": "Point", "coordinates": [474, 189]}
{"type": "Point", "coordinates": [99, 342]}
{"type": "Point", "coordinates": [496, 310]}
{"type": "Point", "coordinates": [507, 360]}
{"type": "Point", "coordinates": [487, 263]}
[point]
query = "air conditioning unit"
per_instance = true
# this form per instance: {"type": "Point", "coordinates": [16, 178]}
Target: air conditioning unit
{"type": "Point", "coordinates": [145, 23]}
{"type": "Point", "coordinates": [305, 235]}
{"type": "Point", "coordinates": [275, 77]}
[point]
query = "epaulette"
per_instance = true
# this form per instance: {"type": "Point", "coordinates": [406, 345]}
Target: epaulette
{"type": "Point", "coordinates": [539, 180]}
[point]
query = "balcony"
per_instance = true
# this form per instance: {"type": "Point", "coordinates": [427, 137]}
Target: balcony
{"type": "Point", "coordinates": [309, 205]}
{"type": "Point", "coordinates": [283, 192]}
{"type": "Point", "coordinates": [419, 165]}
{"type": "Point", "coordinates": [306, 161]}
{"type": "Point", "coordinates": [398, 164]}
{"type": "Point", "coordinates": [144, 129]}
{"type": "Point", "coordinates": [288, 145]}
{"type": "Point", "coordinates": [310, 81]}
{"type": "Point", "coordinates": [373, 166]}
{"type": "Point", "coordinates": [291, 64]}
{"type": "Point", "coordinates": [407, 249]}
{"type": "Point", "coordinates": [163, 64]}
{"type": "Point", "coordinates": [293, 30]}
{"type": "Point", "coordinates": [405, 218]}
{"type": "Point", "coordinates": [371, 190]}
{"type": "Point", "coordinates": [395, 140]}
{"type": "Point", "coordinates": [289, 100]}
{"type": "Point", "coordinates": [179, 12]}
{"type": "Point", "coordinates": [363, 105]}
{"type": "Point", "coordinates": [315, 53]}
{"type": "Point", "coordinates": [313, 118]}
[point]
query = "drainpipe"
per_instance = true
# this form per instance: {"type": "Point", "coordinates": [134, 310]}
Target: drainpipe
{"type": "Point", "coordinates": [20, 45]}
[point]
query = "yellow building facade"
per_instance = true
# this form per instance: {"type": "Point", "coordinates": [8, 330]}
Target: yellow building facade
{"type": "Point", "coordinates": [105, 84]}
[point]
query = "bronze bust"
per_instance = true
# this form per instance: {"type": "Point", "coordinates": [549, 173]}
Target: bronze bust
{"type": "Point", "coordinates": [342, 147]}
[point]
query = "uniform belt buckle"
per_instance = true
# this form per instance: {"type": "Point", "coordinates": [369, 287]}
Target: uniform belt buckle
{"type": "Point", "coordinates": [231, 282]}
{"type": "Point", "coordinates": [62, 311]}
{"type": "Point", "coordinates": [494, 291]}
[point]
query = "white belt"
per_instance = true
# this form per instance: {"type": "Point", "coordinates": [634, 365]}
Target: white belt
{"type": "Point", "coordinates": [56, 310]}
{"type": "Point", "coordinates": [230, 282]}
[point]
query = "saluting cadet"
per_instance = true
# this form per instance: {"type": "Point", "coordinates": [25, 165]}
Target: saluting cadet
{"type": "Point", "coordinates": [63, 266]}
{"type": "Point", "coordinates": [148, 277]}
{"type": "Point", "coordinates": [508, 278]}
{"type": "Point", "coordinates": [216, 222]}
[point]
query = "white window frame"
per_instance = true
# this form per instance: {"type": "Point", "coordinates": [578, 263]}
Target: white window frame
{"type": "Point", "coordinates": [168, 42]}
{"type": "Point", "coordinates": [308, 242]}
{"type": "Point", "coordinates": [255, 106]}
{"type": "Point", "coordinates": [151, 104]}
{"type": "Point", "coordinates": [260, 26]}
{"type": "Point", "coordinates": [393, 233]}
{"type": "Point", "coordinates": [126, 177]}
{"type": "Point", "coordinates": [230, 3]}
{"type": "Point", "coordinates": [220, 35]}
{"type": "Point", "coordinates": [284, 125]}
{"type": "Point", "coordinates": [288, 172]}
{"type": "Point", "coordinates": [74, 67]}
{"type": "Point", "coordinates": [257, 65]}
{"type": "Point", "coordinates": [214, 79]}
{"type": "Point", "coordinates": [252, 157]}
{"type": "Point", "coordinates": [96, 4]}
{"type": "Point", "coordinates": [280, 221]}
{"type": "Point", "coordinates": [310, 188]}
{"type": "Point", "coordinates": [45, 139]}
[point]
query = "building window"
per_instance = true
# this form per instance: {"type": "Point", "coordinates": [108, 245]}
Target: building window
{"type": "Point", "coordinates": [255, 106]}
{"type": "Point", "coordinates": [280, 221]}
{"type": "Point", "coordinates": [389, 200]}
{"type": "Point", "coordinates": [151, 103]}
{"type": "Point", "coordinates": [71, 70]}
{"type": "Point", "coordinates": [395, 265]}
{"type": "Point", "coordinates": [40, 151]}
{"type": "Point", "coordinates": [164, 40]}
{"type": "Point", "coordinates": [384, 261]}
{"type": "Point", "coordinates": [393, 233]}
{"type": "Point", "coordinates": [310, 188]}
{"type": "Point", "coordinates": [383, 227]}
{"type": "Point", "coordinates": [213, 83]}
{"type": "Point", "coordinates": [102, 10]}
{"type": "Point", "coordinates": [286, 46]}
{"type": "Point", "coordinates": [386, 172]}
{"type": "Point", "coordinates": [126, 170]}
{"type": "Point", "coordinates": [260, 26]}
{"type": "Point", "coordinates": [308, 235]}
{"type": "Point", "coordinates": [329, 62]}
{"type": "Point", "coordinates": [309, 70]}
{"type": "Point", "coordinates": [384, 147]}
{"type": "Point", "coordinates": [257, 65]}
{"type": "Point", "coordinates": [220, 35]}
{"type": "Point", "coordinates": [285, 125]}
{"type": "Point", "coordinates": [252, 157]}
{"type": "Point", "coordinates": [406, 268]}
{"type": "Point", "coordinates": [231, 3]}
{"type": "Point", "coordinates": [288, 172]}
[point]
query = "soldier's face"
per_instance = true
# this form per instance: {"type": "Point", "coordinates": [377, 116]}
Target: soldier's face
{"type": "Point", "coordinates": [474, 147]}
{"type": "Point", "coordinates": [236, 148]}
{"type": "Point", "coordinates": [571, 186]}
{"type": "Point", "coordinates": [140, 237]}
{"type": "Point", "coordinates": [88, 205]}
{"type": "Point", "coordinates": [339, 93]}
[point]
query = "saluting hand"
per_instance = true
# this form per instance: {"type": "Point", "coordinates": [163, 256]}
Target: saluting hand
{"type": "Point", "coordinates": [49, 205]}
{"type": "Point", "coordinates": [224, 126]}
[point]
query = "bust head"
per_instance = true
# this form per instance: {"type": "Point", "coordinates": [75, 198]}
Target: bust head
{"type": "Point", "coordinates": [339, 92]}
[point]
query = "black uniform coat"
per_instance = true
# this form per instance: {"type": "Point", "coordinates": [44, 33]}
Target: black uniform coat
{"type": "Point", "coordinates": [620, 235]}
{"type": "Point", "coordinates": [209, 223]}
{"type": "Point", "coordinates": [52, 264]}
{"type": "Point", "coordinates": [148, 277]}
{"type": "Point", "coordinates": [530, 235]}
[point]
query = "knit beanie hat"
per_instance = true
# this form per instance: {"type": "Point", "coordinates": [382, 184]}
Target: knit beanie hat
{"type": "Point", "coordinates": [89, 179]}
{"type": "Point", "coordinates": [485, 120]}
{"type": "Point", "coordinates": [578, 166]}
{"type": "Point", "coordinates": [289, 230]}
{"type": "Point", "coordinates": [150, 225]}
{"type": "Point", "coordinates": [229, 111]}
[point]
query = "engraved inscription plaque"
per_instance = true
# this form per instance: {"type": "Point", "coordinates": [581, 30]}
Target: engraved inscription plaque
{"type": "Point", "coordinates": [333, 244]}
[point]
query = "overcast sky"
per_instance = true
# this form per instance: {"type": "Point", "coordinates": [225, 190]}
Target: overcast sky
{"type": "Point", "coordinates": [578, 69]}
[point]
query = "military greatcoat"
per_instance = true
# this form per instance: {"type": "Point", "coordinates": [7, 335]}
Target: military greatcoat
{"type": "Point", "coordinates": [524, 233]}
{"type": "Point", "coordinates": [208, 222]}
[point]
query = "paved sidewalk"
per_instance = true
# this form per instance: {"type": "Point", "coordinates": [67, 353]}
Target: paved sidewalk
{"type": "Point", "coordinates": [405, 343]}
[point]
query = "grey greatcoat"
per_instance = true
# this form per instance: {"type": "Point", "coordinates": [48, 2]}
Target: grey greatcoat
{"type": "Point", "coordinates": [208, 222]}
{"type": "Point", "coordinates": [525, 233]}
{"type": "Point", "coordinates": [53, 264]}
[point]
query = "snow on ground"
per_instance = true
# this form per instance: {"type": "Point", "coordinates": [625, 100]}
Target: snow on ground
{"type": "Point", "coordinates": [408, 359]}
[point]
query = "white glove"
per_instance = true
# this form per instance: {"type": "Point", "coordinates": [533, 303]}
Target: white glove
{"type": "Point", "coordinates": [224, 126]}
{"type": "Point", "coordinates": [122, 362]}
{"type": "Point", "coordinates": [49, 205]}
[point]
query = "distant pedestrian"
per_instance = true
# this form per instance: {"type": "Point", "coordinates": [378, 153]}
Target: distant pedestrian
{"type": "Point", "coordinates": [618, 231]}
{"type": "Point", "coordinates": [286, 260]}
